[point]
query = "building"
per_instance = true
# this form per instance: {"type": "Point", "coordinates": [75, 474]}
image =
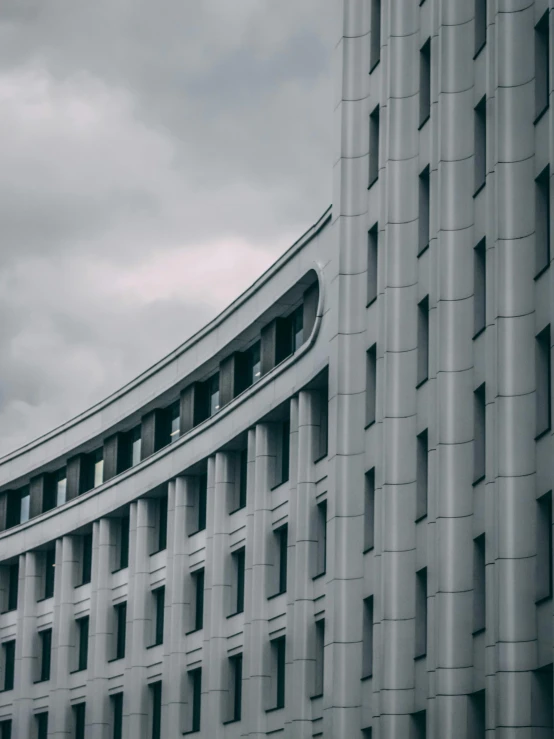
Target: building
{"type": "Point", "coordinates": [329, 513]}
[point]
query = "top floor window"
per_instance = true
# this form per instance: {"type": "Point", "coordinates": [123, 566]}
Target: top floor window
{"type": "Point", "coordinates": [213, 394]}
{"type": "Point", "coordinates": [135, 440]}
{"type": "Point", "coordinates": [255, 362]}
{"type": "Point", "coordinates": [25, 505]}
{"type": "Point", "coordinates": [297, 324]}
{"type": "Point", "coordinates": [98, 467]}
{"type": "Point", "coordinates": [60, 481]}
{"type": "Point", "coordinates": [174, 421]}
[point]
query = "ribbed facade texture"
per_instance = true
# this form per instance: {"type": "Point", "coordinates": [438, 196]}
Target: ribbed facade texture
{"type": "Point", "coordinates": [329, 513]}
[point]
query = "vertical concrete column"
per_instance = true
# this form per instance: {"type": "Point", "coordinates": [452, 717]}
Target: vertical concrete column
{"type": "Point", "coordinates": [220, 484]}
{"type": "Point", "coordinates": [26, 642]}
{"type": "Point", "coordinates": [452, 637]}
{"type": "Point", "coordinates": [516, 508]}
{"type": "Point", "coordinates": [136, 702]}
{"type": "Point", "coordinates": [101, 631]}
{"type": "Point", "coordinates": [60, 718]}
{"type": "Point", "coordinates": [299, 637]}
{"type": "Point", "coordinates": [259, 513]}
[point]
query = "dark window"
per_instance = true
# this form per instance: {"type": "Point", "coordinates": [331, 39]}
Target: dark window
{"type": "Point", "coordinates": [278, 648]}
{"type": "Point", "coordinates": [6, 729]}
{"type": "Point", "coordinates": [282, 465]}
{"type": "Point", "coordinates": [542, 221]}
{"type": "Point", "coordinates": [421, 613]}
{"type": "Point", "coordinates": [60, 483]}
{"type": "Point", "coordinates": [82, 634]}
{"type": "Point", "coordinates": [254, 363]}
{"type": "Point", "coordinates": [297, 328]}
{"type": "Point", "coordinates": [480, 25]}
{"type": "Point", "coordinates": [174, 418]}
{"type": "Point", "coordinates": [79, 712]}
{"type": "Point", "coordinates": [282, 534]}
{"type": "Point", "coordinates": [479, 439]}
{"type": "Point", "coordinates": [480, 132]}
{"type": "Point", "coordinates": [235, 664]}
{"type": "Point", "coordinates": [195, 678]}
{"type": "Point", "coordinates": [479, 585]}
{"type": "Point", "coordinates": [477, 715]}
{"type": "Point", "coordinates": [423, 341]}
{"type": "Point", "coordinates": [370, 385]}
{"type": "Point", "coordinates": [544, 547]}
{"type": "Point", "coordinates": [419, 725]}
{"type": "Point", "coordinates": [375, 39]}
{"type": "Point", "coordinates": [542, 64]}
{"type": "Point", "coordinates": [45, 653]}
{"type": "Point", "coordinates": [321, 538]}
{"type": "Point", "coordinates": [42, 725]}
{"type": "Point", "coordinates": [543, 381]}
{"type": "Point", "coordinates": [135, 442]}
{"type": "Point", "coordinates": [202, 501]}
{"type": "Point", "coordinates": [369, 510]}
{"type": "Point", "coordinates": [424, 210]}
{"type": "Point", "coordinates": [367, 638]}
{"type": "Point", "coordinates": [159, 602]}
{"type": "Point", "coordinates": [117, 715]}
{"type": "Point", "coordinates": [13, 586]}
{"type": "Point", "coordinates": [213, 394]}
{"type": "Point", "coordinates": [198, 584]}
{"type": "Point", "coordinates": [425, 82]}
{"type": "Point", "coordinates": [372, 262]}
{"type": "Point", "coordinates": [368, 733]}
{"type": "Point", "coordinates": [86, 559]}
{"type": "Point", "coordinates": [479, 287]}
{"type": "Point", "coordinates": [373, 146]}
{"type": "Point", "coordinates": [243, 477]}
{"type": "Point", "coordinates": [319, 662]}
{"type": "Point", "coordinates": [321, 424]}
{"type": "Point", "coordinates": [156, 696]}
{"type": "Point", "coordinates": [124, 524]}
{"type": "Point", "coordinates": [120, 611]}
{"type": "Point", "coordinates": [9, 663]}
{"type": "Point", "coordinates": [542, 701]}
{"type": "Point", "coordinates": [239, 564]}
{"type": "Point", "coordinates": [162, 523]}
{"type": "Point", "coordinates": [49, 572]}
{"type": "Point", "coordinates": [422, 474]}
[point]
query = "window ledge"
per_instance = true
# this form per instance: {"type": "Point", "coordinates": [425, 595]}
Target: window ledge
{"type": "Point", "coordinates": [116, 659]}
{"type": "Point", "coordinates": [368, 425]}
{"type": "Point", "coordinates": [369, 549]}
{"type": "Point", "coordinates": [193, 631]}
{"type": "Point", "coordinates": [276, 595]}
{"type": "Point", "coordinates": [424, 121]}
{"type": "Point", "coordinates": [80, 585]}
{"type": "Point", "coordinates": [542, 433]}
{"type": "Point", "coordinates": [118, 569]}
{"type": "Point", "coordinates": [320, 458]}
{"type": "Point", "coordinates": [479, 332]}
{"type": "Point", "coordinates": [541, 113]}
{"type": "Point", "coordinates": [157, 551]}
{"type": "Point", "coordinates": [278, 485]}
{"type": "Point", "coordinates": [420, 656]}
{"type": "Point", "coordinates": [239, 508]}
{"type": "Point", "coordinates": [422, 382]}
{"type": "Point", "coordinates": [232, 721]}
{"type": "Point", "coordinates": [275, 708]}
{"type": "Point", "coordinates": [192, 731]}
{"type": "Point", "coordinates": [422, 250]}
{"type": "Point", "coordinates": [156, 644]}
{"type": "Point", "coordinates": [319, 574]}
{"type": "Point", "coordinates": [371, 301]}
{"type": "Point", "coordinates": [541, 271]}
{"type": "Point", "coordinates": [374, 65]}
{"type": "Point", "coordinates": [41, 600]}
{"type": "Point", "coordinates": [6, 690]}
{"type": "Point", "coordinates": [478, 480]}
{"type": "Point", "coordinates": [479, 50]}
{"type": "Point", "coordinates": [193, 533]}
{"type": "Point", "coordinates": [9, 610]}
{"type": "Point", "coordinates": [543, 599]}
{"type": "Point", "coordinates": [316, 696]}
{"type": "Point", "coordinates": [420, 518]}
{"type": "Point", "coordinates": [479, 188]}
{"type": "Point", "coordinates": [479, 631]}
{"type": "Point", "coordinates": [236, 613]}
{"type": "Point", "coordinates": [42, 680]}
{"type": "Point", "coordinates": [367, 677]}
{"type": "Point", "coordinates": [79, 669]}
{"type": "Point", "coordinates": [373, 181]}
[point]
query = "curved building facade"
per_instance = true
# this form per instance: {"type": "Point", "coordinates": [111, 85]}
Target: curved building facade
{"type": "Point", "coordinates": [329, 513]}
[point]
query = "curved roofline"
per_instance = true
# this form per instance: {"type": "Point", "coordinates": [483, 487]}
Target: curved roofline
{"type": "Point", "coordinates": [185, 346]}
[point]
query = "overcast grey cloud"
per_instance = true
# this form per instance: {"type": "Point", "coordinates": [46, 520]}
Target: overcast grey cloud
{"type": "Point", "coordinates": [155, 158]}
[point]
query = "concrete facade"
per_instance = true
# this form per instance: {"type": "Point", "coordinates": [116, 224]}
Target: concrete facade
{"type": "Point", "coordinates": [377, 459]}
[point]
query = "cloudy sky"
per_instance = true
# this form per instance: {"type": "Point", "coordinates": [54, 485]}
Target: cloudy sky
{"type": "Point", "coordinates": [155, 158]}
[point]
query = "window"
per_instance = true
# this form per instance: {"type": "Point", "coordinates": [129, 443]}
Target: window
{"type": "Point", "coordinates": [156, 698]}
{"type": "Point", "coordinates": [425, 82]}
{"type": "Point", "coordinates": [162, 524]}
{"type": "Point", "coordinates": [255, 363]}
{"type": "Point", "coordinates": [542, 221]}
{"type": "Point", "coordinates": [120, 612]}
{"type": "Point", "coordinates": [282, 537]}
{"type": "Point", "coordinates": [235, 690]}
{"type": "Point", "coordinates": [42, 725]}
{"type": "Point", "coordinates": [423, 341]}
{"type": "Point", "coordinates": [198, 587]}
{"type": "Point", "coordinates": [372, 263]}
{"type": "Point", "coordinates": [282, 462]}
{"type": "Point", "coordinates": [123, 542]}
{"type": "Point", "coordinates": [476, 715]}
{"type": "Point", "coordinates": [45, 637]}
{"type": "Point", "coordinates": [367, 638]}
{"type": "Point", "coordinates": [86, 559]}
{"type": "Point", "coordinates": [117, 715]}
{"type": "Point", "coordinates": [369, 510]}
{"type": "Point", "coordinates": [419, 725]}
{"type": "Point", "coordinates": [135, 444]}
{"type": "Point", "coordinates": [480, 25]}
{"type": "Point", "coordinates": [543, 381]}
{"type": "Point", "coordinates": [159, 606]}
{"type": "Point", "coordinates": [243, 477]}
{"type": "Point", "coordinates": [319, 661]}
{"type": "Point", "coordinates": [542, 64]}
{"type": "Point", "coordinates": [49, 559]}
{"type": "Point", "coordinates": [278, 658]}
{"type": "Point", "coordinates": [195, 686]}
{"type": "Point", "coordinates": [174, 415]}
{"type": "Point", "coordinates": [6, 729]}
{"type": "Point", "coordinates": [373, 146]}
{"type": "Point", "coordinates": [375, 38]}
{"type": "Point", "coordinates": [479, 585]}
{"type": "Point", "coordinates": [213, 394]}
{"type": "Point", "coordinates": [424, 210]}
{"type": "Point", "coordinates": [25, 505]}
{"type": "Point", "coordinates": [238, 559]}
{"type": "Point", "coordinates": [82, 643]}
{"type": "Point", "coordinates": [98, 467]}
{"type": "Point", "coordinates": [79, 712]}
{"type": "Point", "coordinates": [9, 663]}
{"type": "Point", "coordinates": [60, 483]}
{"type": "Point", "coordinates": [480, 133]}
{"type": "Point", "coordinates": [200, 503]}
{"type": "Point", "coordinates": [13, 586]}
{"type": "Point", "coordinates": [321, 538]}
{"type": "Point", "coordinates": [542, 700]}
{"type": "Point", "coordinates": [370, 385]}
{"type": "Point", "coordinates": [297, 328]}
{"type": "Point", "coordinates": [479, 287]}
{"type": "Point", "coordinates": [321, 424]}
{"type": "Point", "coordinates": [421, 613]}
{"type": "Point", "coordinates": [544, 547]}
{"type": "Point", "coordinates": [479, 439]}
{"type": "Point", "coordinates": [422, 474]}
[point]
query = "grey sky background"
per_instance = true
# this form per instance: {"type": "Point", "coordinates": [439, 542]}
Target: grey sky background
{"type": "Point", "coordinates": [155, 158]}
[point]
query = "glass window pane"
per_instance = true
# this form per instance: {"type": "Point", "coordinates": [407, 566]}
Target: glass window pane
{"type": "Point", "coordinates": [61, 488]}
{"type": "Point", "coordinates": [135, 446]}
{"type": "Point", "coordinates": [25, 504]}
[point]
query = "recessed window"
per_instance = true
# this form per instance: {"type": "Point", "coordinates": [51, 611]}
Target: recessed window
{"type": "Point", "coordinates": [419, 725]}
{"type": "Point", "coordinates": [174, 415]}
{"type": "Point", "coordinates": [480, 25]}
{"type": "Point", "coordinates": [156, 703]}
{"type": "Point", "coordinates": [116, 700]}
{"type": "Point", "coordinates": [45, 637]}
{"type": "Point", "coordinates": [282, 452]}
{"type": "Point", "coordinates": [79, 713]}
{"type": "Point", "coordinates": [213, 394]}
{"type": "Point", "coordinates": [235, 688]}
{"type": "Point", "coordinates": [479, 585]}
{"type": "Point", "coordinates": [13, 586]}
{"type": "Point", "coordinates": [197, 578]}
{"type": "Point", "coordinates": [8, 648]}
{"type": "Point", "coordinates": [375, 35]}
{"type": "Point", "coordinates": [254, 364]}
{"type": "Point", "coordinates": [243, 478]}
{"type": "Point", "coordinates": [422, 475]}
{"type": "Point", "coordinates": [477, 715]}
{"type": "Point", "coordinates": [480, 143]}
{"type": "Point", "coordinates": [161, 524]}
{"type": "Point", "coordinates": [543, 381]}
{"type": "Point", "coordinates": [321, 538]}
{"type": "Point", "coordinates": [41, 720]}
{"type": "Point", "coordinates": [424, 210]}
{"type": "Point", "coordinates": [282, 539]}
{"type": "Point", "coordinates": [319, 658]}
{"type": "Point", "coordinates": [542, 701]}
{"type": "Point", "coordinates": [425, 82]}
{"type": "Point", "coordinates": [135, 443]}
{"type": "Point", "coordinates": [239, 561]}
{"type": "Point", "coordinates": [371, 385]}
{"type": "Point", "coordinates": [421, 613]}
{"type": "Point", "coordinates": [278, 672]}
{"type": "Point", "coordinates": [542, 64]}
{"type": "Point", "coordinates": [542, 221]}
{"type": "Point", "coordinates": [49, 560]}
{"type": "Point", "coordinates": [479, 437]}
{"type": "Point", "coordinates": [369, 510]}
{"type": "Point", "coordinates": [195, 700]}
{"type": "Point", "coordinates": [60, 483]}
{"type": "Point", "coordinates": [123, 542]}
{"type": "Point", "coordinates": [120, 613]}
{"type": "Point", "coordinates": [479, 287]}
{"type": "Point", "coordinates": [25, 505]}
{"type": "Point", "coordinates": [159, 606]}
{"type": "Point", "coordinates": [98, 467]}
{"type": "Point", "coordinates": [544, 547]}
{"type": "Point", "coordinates": [373, 146]}
{"type": "Point", "coordinates": [199, 503]}
{"type": "Point", "coordinates": [372, 263]}
{"type": "Point", "coordinates": [297, 328]}
{"type": "Point", "coordinates": [367, 638]}
{"type": "Point", "coordinates": [321, 423]}
{"type": "Point", "coordinates": [6, 729]}
{"type": "Point", "coordinates": [86, 559]}
{"type": "Point", "coordinates": [82, 642]}
{"type": "Point", "coordinates": [423, 341]}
